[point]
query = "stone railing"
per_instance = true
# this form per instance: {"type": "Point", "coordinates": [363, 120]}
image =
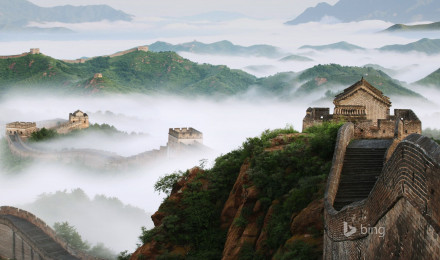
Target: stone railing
{"type": "Point", "coordinates": [350, 110]}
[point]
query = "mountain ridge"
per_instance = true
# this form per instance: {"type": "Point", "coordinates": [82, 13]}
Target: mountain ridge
{"type": "Point", "coordinates": [406, 11]}
{"type": "Point", "coordinates": [219, 48]}
{"type": "Point", "coordinates": [17, 14]}
{"type": "Point", "coordinates": [141, 71]}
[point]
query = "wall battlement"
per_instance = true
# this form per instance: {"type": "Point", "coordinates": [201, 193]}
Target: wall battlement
{"type": "Point", "coordinates": [185, 133]}
{"type": "Point", "coordinates": [404, 202]}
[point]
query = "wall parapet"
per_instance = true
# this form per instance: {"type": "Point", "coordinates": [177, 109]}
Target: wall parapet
{"type": "Point", "coordinates": [411, 175]}
{"type": "Point", "coordinates": [345, 135]}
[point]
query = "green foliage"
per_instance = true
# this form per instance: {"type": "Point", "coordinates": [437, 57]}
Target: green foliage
{"type": "Point", "coordinates": [240, 222]}
{"type": "Point", "coordinates": [167, 72]}
{"type": "Point", "coordinates": [324, 138]}
{"type": "Point", "coordinates": [428, 46]}
{"type": "Point", "coordinates": [195, 220]}
{"type": "Point", "coordinates": [298, 250]}
{"type": "Point", "coordinates": [71, 236]}
{"type": "Point", "coordinates": [294, 176]}
{"type": "Point", "coordinates": [96, 128]}
{"type": "Point", "coordinates": [102, 252]}
{"type": "Point", "coordinates": [166, 183]}
{"type": "Point", "coordinates": [432, 79]}
{"type": "Point", "coordinates": [43, 135]}
{"type": "Point", "coordinates": [124, 255]}
{"type": "Point", "coordinates": [337, 75]}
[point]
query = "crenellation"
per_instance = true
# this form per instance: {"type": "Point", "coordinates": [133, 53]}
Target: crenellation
{"type": "Point", "coordinates": [23, 129]}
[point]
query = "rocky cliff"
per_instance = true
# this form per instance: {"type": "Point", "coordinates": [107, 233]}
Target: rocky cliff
{"type": "Point", "coordinates": [262, 201]}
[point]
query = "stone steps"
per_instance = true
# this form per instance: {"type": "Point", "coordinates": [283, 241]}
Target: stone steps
{"type": "Point", "coordinates": [363, 163]}
{"type": "Point", "coordinates": [41, 239]}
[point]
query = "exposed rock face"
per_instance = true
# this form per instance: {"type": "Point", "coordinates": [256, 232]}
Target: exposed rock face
{"type": "Point", "coordinates": [240, 214]}
{"type": "Point", "coordinates": [244, 216]}
{"type": "Point", "coordinates": [153, 249]}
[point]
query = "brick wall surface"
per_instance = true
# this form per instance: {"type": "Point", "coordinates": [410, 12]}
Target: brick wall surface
{"type": "Point", "coordinates": [404, 200]}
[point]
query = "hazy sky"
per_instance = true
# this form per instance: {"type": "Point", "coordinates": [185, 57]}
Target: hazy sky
{"type": "Point", "coordinates": [255, 8]}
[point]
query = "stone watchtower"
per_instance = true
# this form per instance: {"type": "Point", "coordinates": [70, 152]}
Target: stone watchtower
{"type": "Point", "coordinates": [23, 129]}
{"type": "Point", "coordinates": [179, 139]}
{"type": "Point", "coordinates": [369, 109]}
{"type": "Point", "coordinates": [35, 51]}
{"type": "Point", "coordinates": [79, 117]}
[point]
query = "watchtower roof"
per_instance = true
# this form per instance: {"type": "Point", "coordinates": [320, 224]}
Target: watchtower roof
{"type": "Point", "coordinates": [79, 112]}
{"type": "Point", "coordinates": [363, 84]}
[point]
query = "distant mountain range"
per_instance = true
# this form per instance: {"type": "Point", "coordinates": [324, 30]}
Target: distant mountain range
{"type": "Point", "coordinates": [328, 76]}
{"type": "Point", "coordinates": [401, 11]}
{"type": "Point", "coordinates": [168, 73]}
{"type": "Point", "coordinates": [335, 46]}
{"type": "Point", "coordinates": [15, 15]}
{"type": "Point", "coordinates": [427, 46]}
{"type": "Point", "coordinates": [414, 28]}
{"type": "Point", "coordinates": [432, 79]}
{"type": "Point", "coordinates": [220, 48]}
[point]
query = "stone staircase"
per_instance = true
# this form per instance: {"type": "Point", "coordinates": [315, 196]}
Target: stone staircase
{"type": "Point", "coordinates": [363, 163]}
{"type": "Point", "coordinates": [41, 239]}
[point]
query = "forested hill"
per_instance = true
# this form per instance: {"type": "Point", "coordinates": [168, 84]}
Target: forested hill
{"type": "Point", "coordinates": [169, 73]}
{"type": "Point", "coordinates": [139, 71]}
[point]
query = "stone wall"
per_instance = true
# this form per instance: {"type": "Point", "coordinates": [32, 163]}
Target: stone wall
{"type": "Point", "coordinates": [68, 127]}
{"type": "Point", "coordinates": [345, 135]}
{"type": "Point", "coordinates": [32, 51]}
{"type": "Point", "coordinates": [117, 54]}
{"type": "Point", "coordinates": [404, 201]}
{"type": "Point", "coordinates": [16, 245]}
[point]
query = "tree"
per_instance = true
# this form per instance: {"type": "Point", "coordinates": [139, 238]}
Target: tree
{"type": "Point", "coordinates": [71, 236]}
{"type": "Point", "coordinates": [165, 184]}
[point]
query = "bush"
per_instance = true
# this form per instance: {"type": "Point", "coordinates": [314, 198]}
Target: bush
{"type": "Point", "coordinates": [43, 134]}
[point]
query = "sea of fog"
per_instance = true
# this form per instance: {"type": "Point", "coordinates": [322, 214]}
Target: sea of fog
{"type": "Point", "coordinates": [225, 123]}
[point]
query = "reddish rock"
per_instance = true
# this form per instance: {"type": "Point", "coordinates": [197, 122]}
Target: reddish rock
{"type": "Point", "coordinates": [309, 218]}
{"type": "Point", "coordinates": [236, 197]}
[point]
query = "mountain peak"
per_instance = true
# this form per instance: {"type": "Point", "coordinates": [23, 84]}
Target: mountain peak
{"type": "Point", "coordinates": [358, 10]}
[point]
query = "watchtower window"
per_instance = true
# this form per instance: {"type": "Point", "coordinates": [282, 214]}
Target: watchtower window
{"type": "Point", "coordinates": [406, 131]}
{"type": "Point", "coordinates": [383, 131]}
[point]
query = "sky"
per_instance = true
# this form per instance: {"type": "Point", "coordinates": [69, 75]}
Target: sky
{"type": "Point", "coordinates": [176, 8]}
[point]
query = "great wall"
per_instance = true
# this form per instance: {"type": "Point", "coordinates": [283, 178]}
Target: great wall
{"type": "Point", "coordinates": [24, 236]}
{"type": "Point", "coordinates": [117, 54]}
{"type": "Point", "coordinates": [181, 142]}
{"type": "Point", "coordinates": [81, 60]}
{"type": "Point", "coordinates": [381, 199]}
{"type": "Point", "coordinates": [32, 51]}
